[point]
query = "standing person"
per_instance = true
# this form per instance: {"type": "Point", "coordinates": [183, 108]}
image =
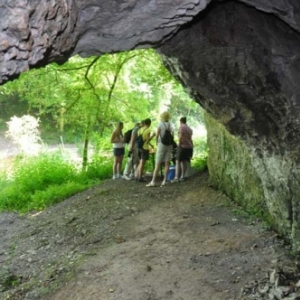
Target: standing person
{"type": "Point", "coordinates": [163, 152]}
{"type": "Point", "coordinates": [117, 139]}
{"type": "Point", "coordinates": [145, 132]}
{"type": "Point", "coordinates": [184, 150]}
{"type": "Point", "coordinates": [130, 170]}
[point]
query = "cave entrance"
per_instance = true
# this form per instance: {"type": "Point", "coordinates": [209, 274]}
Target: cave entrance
{"type": "Point", "coordinates": [127, 86]}
{"type": "Point", "coordinates": [82, 99]}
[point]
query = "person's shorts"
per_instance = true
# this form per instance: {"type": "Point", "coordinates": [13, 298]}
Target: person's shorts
{"type": "Point", "coordinates": [119, 151]}
{"type": "Point", "coordinates": [143, 154]}
{"type": "Point", "coordinates": [163, 154]}
{"type": "Point", "coordinates": [184, 154]}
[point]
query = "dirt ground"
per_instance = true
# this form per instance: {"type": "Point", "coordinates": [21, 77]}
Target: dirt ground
{"type": "Point", "coordinates": [123, 241]}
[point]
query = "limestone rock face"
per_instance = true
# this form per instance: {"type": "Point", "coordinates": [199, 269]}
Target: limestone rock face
{"type": "Point", "coordinates": [243, 67]}
{"type": "Point", "coordinates": [240, 60]}
{"type": "Point", "coordinates": [33, 33]}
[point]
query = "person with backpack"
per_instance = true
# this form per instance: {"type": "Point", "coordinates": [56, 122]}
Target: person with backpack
{"type": "Point", "coordinates": [164, 140]}
{"type": "Point", "coordinates": [143, 139]}
{"type": "Point", "coordinates": [184, 150]}
{"type": "Point", "coordinates": [117, 139]}
{"type": "Point", "coordinates": [130, 170]}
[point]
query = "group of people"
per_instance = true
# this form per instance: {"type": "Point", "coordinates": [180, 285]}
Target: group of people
{"type": "Point", "coordinates": [138, 155]}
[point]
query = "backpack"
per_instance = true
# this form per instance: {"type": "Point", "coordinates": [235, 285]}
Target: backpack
{"type": "Point", "coordinates": [139, 141]}
{"type": "Point", "coordinates": [127, 136]}
{"type": "Point", "coordinates": [167, 138]}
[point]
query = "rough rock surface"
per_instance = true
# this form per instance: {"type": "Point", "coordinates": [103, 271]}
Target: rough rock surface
{"type": "Point", "coordinates": [239, 59]}
{"type": "Point", "coordinates": [242, 66]}
{"type": "Point", "coordinates": [33, 33]}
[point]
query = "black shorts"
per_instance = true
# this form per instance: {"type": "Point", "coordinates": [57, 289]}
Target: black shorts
{"type": "Point", "coordinates": [184, 154]}
{"type": "Point", "coordinates": [143, 154]}
{"type": "Point", "coordinates": [119, 151]}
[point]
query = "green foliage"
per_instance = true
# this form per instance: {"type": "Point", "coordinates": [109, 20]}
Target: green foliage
{"type": "Point", "coordinates": [200, 146]}
{"type": "Point", "coordinates": [94, 92]}
{"type": "Point", "coordinates": [100, 167]}
{"type": "Point", "coordinates": [54, 194]}
{"type": "Point", "coordinates": [34, 176]}
{"type": "Point", "coordinates": [35, 173]}
{"type": "Point", "coordinates": [199, 163]}
{"type": "Point", "coordinates": [8, 280]}
{"type": "Point", "coordinates": [38, 182]}
{"type": "Point", "coordinates": [101, 144]}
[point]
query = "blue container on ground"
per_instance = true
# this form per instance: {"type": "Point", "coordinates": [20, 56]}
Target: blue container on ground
{"type": "Point", "coordinates": [171, 173]}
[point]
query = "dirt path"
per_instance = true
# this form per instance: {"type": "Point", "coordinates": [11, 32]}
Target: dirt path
{"type": "Point", "coordinates": [123, 241]}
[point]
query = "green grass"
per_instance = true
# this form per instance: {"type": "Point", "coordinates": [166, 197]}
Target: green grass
{"type": "Point", "coordinates": [38, 182]}
{"type": "Point", "coordinates": [100, 167]}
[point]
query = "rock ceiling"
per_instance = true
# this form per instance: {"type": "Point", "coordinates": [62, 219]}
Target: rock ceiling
{"type": "Point", "coordinates": [33, 33]}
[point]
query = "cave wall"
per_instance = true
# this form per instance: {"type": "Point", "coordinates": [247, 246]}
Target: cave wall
{"type": "Point", "coordinates": [242, 66]}
{"type": "Point", "coordinates": [231, 170]}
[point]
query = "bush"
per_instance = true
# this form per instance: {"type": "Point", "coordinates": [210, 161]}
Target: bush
{"type": "Point", "coordinates": [199, 163]}
{"type": "Point", "coordinates": [100, 167]}
{"type": "Point", "coordinates": [37, 173]}
{"type": "Point", "coordinates": [39, 181]}
{"type": "Point", "coordinates": [54, 194]}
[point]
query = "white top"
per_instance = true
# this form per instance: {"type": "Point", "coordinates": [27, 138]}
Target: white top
{"type": "Point", "coordinates": [118, 145]}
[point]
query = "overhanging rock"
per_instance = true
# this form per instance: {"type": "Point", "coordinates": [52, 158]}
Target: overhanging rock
{"type": "Point", "coordinates": [242, 66]}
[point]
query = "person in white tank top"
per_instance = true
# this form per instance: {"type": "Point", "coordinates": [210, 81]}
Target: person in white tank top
{"type": "Point", "coordinates": [117, 140]}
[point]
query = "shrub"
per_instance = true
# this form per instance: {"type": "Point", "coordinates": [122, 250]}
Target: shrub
{"type": "Point", "coordinates": [47, 176]}
{"type": "Point", "coordinates": [100, 167]}
{"type": "Point", "coordinates": [54, 194]}
{"type": "Point", "coordinates": [199, 163]}
{"type": "Point", "coordinates": [37, 173]}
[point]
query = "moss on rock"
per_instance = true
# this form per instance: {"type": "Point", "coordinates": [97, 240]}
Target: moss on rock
{"type": "Point", "coordinates": [231, 170]}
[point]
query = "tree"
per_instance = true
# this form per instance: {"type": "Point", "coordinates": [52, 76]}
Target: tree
{"type": "Point", "coordinates": [85, 96]}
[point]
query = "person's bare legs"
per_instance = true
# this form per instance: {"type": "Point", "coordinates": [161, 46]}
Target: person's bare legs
{"type": "Point", "coordinates": [129, 166]}
{"type": "Point", "coordinates": [177, 170]}
{"type": "Point", "coordinates": [141, 169]}
{"type": "Point", "coordinates": [183, 168]}
{"type": "Point", "coordinates": [167, 167]}
{"type": "Point", "coordinates": [155, 173]}
{"type": "Point", "coordinates": [117, 166]}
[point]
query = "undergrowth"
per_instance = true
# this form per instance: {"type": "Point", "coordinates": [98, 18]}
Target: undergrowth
{"type": "Point", "coordinates": [36, 182]}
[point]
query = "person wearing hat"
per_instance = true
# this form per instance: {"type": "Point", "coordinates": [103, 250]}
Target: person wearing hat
{"type": "Point", "coordinates": [163, 152]}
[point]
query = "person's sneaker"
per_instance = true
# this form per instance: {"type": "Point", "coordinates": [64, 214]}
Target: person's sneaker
{"type": "Point", "coordinates": [175, 180]}
{"type": "Point", "coordinates": [114, 177]}
{"type": "Point", "coordinates": [182, 179]}
{"type": "Point", "coordinates": [126, 177]}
